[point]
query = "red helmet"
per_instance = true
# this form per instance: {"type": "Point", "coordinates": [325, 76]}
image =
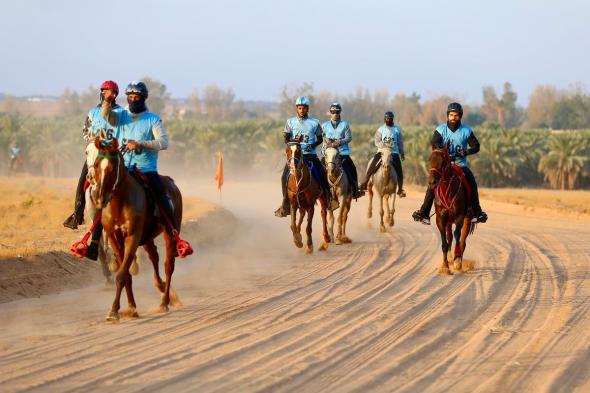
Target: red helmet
{"type": "Point", "coordinates": [112, 86]}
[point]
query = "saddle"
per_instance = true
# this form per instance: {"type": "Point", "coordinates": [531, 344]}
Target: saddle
{"type": "Point", "coordinates": [464, 181]}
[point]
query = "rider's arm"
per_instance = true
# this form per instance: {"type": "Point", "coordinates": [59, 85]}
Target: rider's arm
{"type": "Point", "coordinates": [378, 142]}
{"type": "Point", "coordinates": [473, 145]}
{"type": "Point", "coordinates": [87, 130]}
{"type": "Point", "coordinates": [109, 114]}
{"type": "Point", "coordinates": [400, 144]}
{"type": "Point", "coordinates": [347, 137]}
{"type": "Point", "coordinates": [160, 141]}
{"type": "Point", "coordinates": [287, 132]}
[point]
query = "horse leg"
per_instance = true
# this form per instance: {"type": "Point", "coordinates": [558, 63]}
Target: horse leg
{"type": "Point", "coordinates": [387, 210]}
{"type": "Point", "coordinates": [299, 223]}
{"type": "Point", "coordinates": [331, 227]}
{"type": "Point", "coordinates": [102, 257]}
{"type": "Point", "coordinates": [464, 233]}
{"type": "Point", "coordinates": [324, 213]}
{"type": "Point", "coordinates": [381, 225]}
{"type": "Point", "coordinates": [124, 253]}
{"type": "Point", "coordinates": [345, 211]}
{"type": "Point", "coordinates": [449, 235]}
{"type": "Point", "coordinates": [132, 310]}
{"type": "Point", "coordinates": [169, 294]}
{"type": "Point", "coordinates": [458, 254]}
{"type": "Point", "coordinates": [393, 196]}
{"type": "Point", "coordinates": [152, 251]}
{"type": "Point", "coordinates": [309, 245]}
{"type": "Point", "coordinates": [442, 228]}
{"type": "Point", "coordinates": [370, 209]}
{"type": "Point", "coordinates": [295, 228]}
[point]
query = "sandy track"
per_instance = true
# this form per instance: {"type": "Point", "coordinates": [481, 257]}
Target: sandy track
{"type": "Point", "coordinates": [259, 315]}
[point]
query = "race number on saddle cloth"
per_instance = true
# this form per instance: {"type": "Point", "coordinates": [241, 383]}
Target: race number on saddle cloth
{"type": "Point", "coordinates": [457, 141]}
{"type": "Point", "coordinates": [386, 136]}
{"type": "Point", "coordinates": [341, 132]}
{"type": "Point", "coordinates": [308, 128]}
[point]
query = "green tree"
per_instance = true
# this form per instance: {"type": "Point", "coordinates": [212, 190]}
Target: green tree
{"type": "Point", "coordinates": [565, 160]}
{"type": "Point", "coordinates": [158, 95]}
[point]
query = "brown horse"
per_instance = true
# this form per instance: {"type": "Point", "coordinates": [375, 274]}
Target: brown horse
{"type": "Point", "coordinates": [303, 191]}
{"type": "Point", "coordinates": [450, 204]}
{"type": "Point", "coordinates": [129, 222]}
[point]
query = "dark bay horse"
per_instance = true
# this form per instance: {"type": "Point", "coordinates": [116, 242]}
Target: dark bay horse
{"type": "Point", "coordinates": [303, 190]}
{"type": "Point", "coordinates": [129, 222]}
{"type": "Point", "coordinates": [450, 204]}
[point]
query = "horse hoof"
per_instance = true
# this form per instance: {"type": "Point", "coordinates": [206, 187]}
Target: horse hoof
{"type": "Point", "coordinates": [162, 309]}
{"type": "Point", "coordinates": [134, 268]}
{"type": "Point", "coordinates": [445, 271]}
{"type": "Point", "coordinates": [382, 229]}
{"type": "Point", "coordinates": [457, 266]}
{"type": "Point", "coordinates": [113, 317]}
{"type": "Point", "coordinates": [338, 241]}
{"type": "Point", "coordinates": [130, 314]}
{"type": "Point", "coordinates": [309, 250]}
{"type": "Point", "coordinates": [113, 266]}
{"type": "Point", "coordinates": [298, 244]}
{"type": "Point", "coordinates": [323, 247]}
{"type": "Point", "coordinates": [346, 239]}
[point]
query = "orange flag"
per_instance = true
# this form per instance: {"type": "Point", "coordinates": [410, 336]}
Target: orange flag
{"type": "Point", "coordinates": [219, 175]}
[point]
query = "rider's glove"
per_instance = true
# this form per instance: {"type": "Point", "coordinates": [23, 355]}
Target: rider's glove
{"type": "Point", "coordinates": [460, 153]}
{"type": "Point", "coordinates": [308, 148]}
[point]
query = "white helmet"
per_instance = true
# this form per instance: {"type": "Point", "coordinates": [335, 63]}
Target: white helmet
{"type": "Point", "coordinates": [302, 101]}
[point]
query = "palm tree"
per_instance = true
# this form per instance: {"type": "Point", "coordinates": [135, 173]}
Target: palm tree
{"type": "Point", "coordinates": [495, 164]}
{"type": "Point", "coordinates": [565, 160]}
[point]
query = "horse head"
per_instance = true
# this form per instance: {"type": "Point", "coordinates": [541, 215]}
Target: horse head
{"type": "Point", "coordinates": [107, 166]}
{"type": "Point", "coordinates": [386, 161]}
{"type": "Point", "coordinates": [333, 164]}
{"type": "Point", "coordinates": [294, 156]}
{"type": "Point", "coordinates": [440, 164]}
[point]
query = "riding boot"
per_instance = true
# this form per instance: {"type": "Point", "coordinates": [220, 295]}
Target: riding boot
{"type": "Point", "coordinates": [77, 217]}
{"type": "Point", "coordinates": [370, 170]}
{"type": "Point", "coordinates": [92, 251]}
{"type": "Point", "coordinates": [285, 209]}
{"type": "Point", "coordinates": [397, 166]}
{"type": "Point", "coordinates": [423, 214]}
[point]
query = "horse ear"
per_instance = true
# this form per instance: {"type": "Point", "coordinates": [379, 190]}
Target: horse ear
{"type": "Point", "coordinates": [115, 144]}
{"type": "Point", "coordinates": [97, 142]}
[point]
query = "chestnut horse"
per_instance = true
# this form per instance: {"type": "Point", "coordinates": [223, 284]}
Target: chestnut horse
{"type": "Point", "coordinates": [303, 190]}
{"type": "Point", "coordinates": [450, 204]}
{"type": "Point", "coordinates": [129, 222]}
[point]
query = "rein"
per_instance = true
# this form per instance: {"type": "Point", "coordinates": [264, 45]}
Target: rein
{"type": "Point", "coordinates": [113, 156]}
{"type": "Point", "coordinates": [445, 190]}
{"type": "Point", "coordinates": [299, 168]}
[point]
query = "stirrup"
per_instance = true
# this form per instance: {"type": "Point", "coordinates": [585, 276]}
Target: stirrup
{"type": "Point", "coordinates": [281, 212]}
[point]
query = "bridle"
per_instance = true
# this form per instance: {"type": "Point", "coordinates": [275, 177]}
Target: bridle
{"type": "Point", "coordinates": [118, 157]}
{"type": "Point", "coordinates": [443, 187]}
{"type": "Point", "coordinates": [296, 165]}
{"type": "Point", "coordinates": [336, 166]}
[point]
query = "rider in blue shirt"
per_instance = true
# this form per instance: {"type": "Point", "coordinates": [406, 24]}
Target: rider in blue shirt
{"type": "Point", "coordinates": [94, 123]}
{"type": "Point", "coordinates": [337, 134]}
{"type": "Point", "coordinates": [309, 131]}
{"type": "Point", "coordinates": [462, 143]}
{"type": "Point", "coordinates": [388, 135]}
{"type": "Point", "coordinates": [142, 135]}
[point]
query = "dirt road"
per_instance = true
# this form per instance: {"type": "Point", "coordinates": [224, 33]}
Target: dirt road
{"type": "Point", "coordinates": [258, 315]}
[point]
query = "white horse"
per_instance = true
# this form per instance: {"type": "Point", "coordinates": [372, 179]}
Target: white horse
{"type": "Point", "coordinates": [340, 187]}
{"type": "Point", "coordinates": [385, 182]}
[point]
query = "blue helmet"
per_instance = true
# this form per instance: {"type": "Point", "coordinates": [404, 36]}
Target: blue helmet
{"type": "Point", "coordinates": [137, 88]}
{"type": "Point", "coordinates": [302, 101]}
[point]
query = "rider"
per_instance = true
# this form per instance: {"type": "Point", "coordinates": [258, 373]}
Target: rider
{"type": "Point", "coordinates": [92, 126]}
{"type": "Point", "coordinates": [462, 142]}
{"type": "Point", "coordinates": [310, 132]}
{"type": "Point", "coordinates": [337, 134]}
{"type": "Point", "coordinates": [142, 135]}
{"type": "Point", "coordinates": [388, 135]}
{"type": "Point", "coordinates": [14, 155]}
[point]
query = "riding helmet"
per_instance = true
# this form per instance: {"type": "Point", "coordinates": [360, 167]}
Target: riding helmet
{"type": "Point", "coordinates": [137, 88]}
{"type": "Point", "coordinates": [455, 107]}
{"type": "Point", "coordinates": [110, 85]}
{"type": "Point", "coordinates": [302, 101]}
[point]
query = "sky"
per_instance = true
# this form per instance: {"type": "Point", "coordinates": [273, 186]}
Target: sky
{"type": "Point", "coordinates": [257, 47]}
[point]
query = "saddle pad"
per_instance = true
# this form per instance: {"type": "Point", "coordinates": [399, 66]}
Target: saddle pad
{"type": "Point", "coordinates": [461, 175]}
